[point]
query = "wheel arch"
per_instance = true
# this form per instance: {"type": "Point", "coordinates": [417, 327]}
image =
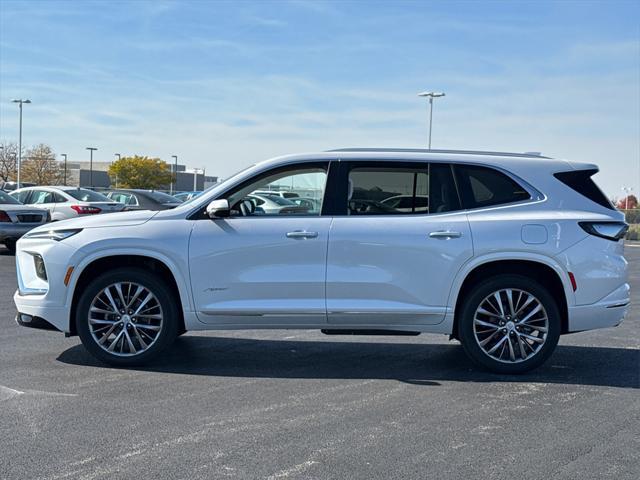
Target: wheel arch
{"type": "Point", "coordinates": [96, 266]}
{"type": "Point", "coordinates": [547, 273]}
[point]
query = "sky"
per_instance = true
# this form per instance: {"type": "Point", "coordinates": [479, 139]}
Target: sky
{"type": "Point", "coordinates": [226, 84]}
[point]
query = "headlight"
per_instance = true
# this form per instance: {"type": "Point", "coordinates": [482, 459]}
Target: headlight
{"type": "Point", "coordinates": [53, 234]}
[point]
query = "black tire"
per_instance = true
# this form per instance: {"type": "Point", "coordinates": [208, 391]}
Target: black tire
{"type": "Point", "coordinates": [480, 292]}
{"type": "Point", "coordinates": [10, 243]}
{"type": "Point", "coordinates": [155, 285]}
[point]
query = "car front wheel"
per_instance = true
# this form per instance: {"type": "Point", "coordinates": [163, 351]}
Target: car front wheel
{"type": "Point", "coordinates": [509, 324]}
{"type": "Point", "coordinates": [127, 317]}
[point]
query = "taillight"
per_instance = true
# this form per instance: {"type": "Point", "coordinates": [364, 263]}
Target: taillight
{"type": "Point", "coordinates": [4, 217]}
{"type": "Point", "coordinates": [610, 230]}
{"type": "Point", "coordinates": [84, 210]}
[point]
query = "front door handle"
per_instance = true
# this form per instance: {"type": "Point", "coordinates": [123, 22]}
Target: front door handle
{"type": "Point", "coordinates": [445, 234]}
{"type": "Point", "coordinates": [302, 234]}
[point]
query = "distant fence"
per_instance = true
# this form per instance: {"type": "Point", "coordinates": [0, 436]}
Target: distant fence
{"type": "Point", "coordinates": [632, 217]}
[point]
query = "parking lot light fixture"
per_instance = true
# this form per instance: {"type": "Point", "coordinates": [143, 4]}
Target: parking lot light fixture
{"type": "Point", "coordinates": [91, 150]}
{"type": "Point", "coordinates": [64, 182]}
{"type": "Point", "coordinates": [174, 183]}
{"type": "Point", "coordinates": [431, 96]}
{"type": "Point", "coordinates": [20, 102]}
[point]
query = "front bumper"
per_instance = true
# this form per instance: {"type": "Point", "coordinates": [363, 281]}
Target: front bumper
{"type": "Point", "coordinates": [38, 307]}
{"type": "Point", "coordinates": [26, 320]}
{"type": "Point", "coordinates": [608, 312]}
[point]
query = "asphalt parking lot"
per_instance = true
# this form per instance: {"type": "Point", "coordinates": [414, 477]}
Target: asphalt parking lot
{"type": "Point", "coordinates": [297, 404]}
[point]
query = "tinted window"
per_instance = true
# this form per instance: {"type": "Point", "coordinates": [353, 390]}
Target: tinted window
{"type": "Point", "coordinates": [162, 197]}
{"type": "Point", "coordinates": [388, 191]}
{"type": "Point", "coordinates": [444, 195]}
{"type": "Point", "coordinates": [482, 187]}
{"type": "Point", "coordinates": [6, 198]}
{"type": "Point", "coordinates": [581, 182]}
{"type": "Point", "coordinates": [85, 195]}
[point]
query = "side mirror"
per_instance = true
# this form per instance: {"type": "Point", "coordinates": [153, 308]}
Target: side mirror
{"type": "Point", "coordinates": [218, 209]}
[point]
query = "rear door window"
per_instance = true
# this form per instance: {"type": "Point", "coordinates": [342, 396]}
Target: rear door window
{"type": "Point", "coordinates": [483, 187]}
{"type": "Point", "coordinates": [381, 190]}
{"type": "Point", "coordinates": [42, 196]}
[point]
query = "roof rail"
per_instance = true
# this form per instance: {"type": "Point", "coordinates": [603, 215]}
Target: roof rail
{"type": "Point", "coordinates": [424, 150]}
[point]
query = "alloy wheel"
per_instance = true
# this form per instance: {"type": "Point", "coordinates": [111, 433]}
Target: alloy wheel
{"type": "Point", "coordinates": [510, 325]}
{"type": "Point", "coordinates": [125, 319]}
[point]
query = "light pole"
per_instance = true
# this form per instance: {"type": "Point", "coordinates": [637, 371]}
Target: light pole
{"type": "Point", "coordinates": [20, 102]}
{"type": "Point", "coordinates": [174, 184]}
{"type": "Point", "coordinates": [65, 168]}
{"type": "Point", "coordinates": [195, 177]}
{"type": "Point", "coordinates": [119, 157]}
{"type": "Point", "coordinates": [627, 191]}
{"type": "Point", "coordinates": [91, 150]}
{"type": "Point", "coordinates": [431, 96]}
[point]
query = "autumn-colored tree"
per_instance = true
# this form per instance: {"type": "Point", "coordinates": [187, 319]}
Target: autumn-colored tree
{"type": "Point", "coordinates": [8, 161]}
{"type": "Point", "coordinates": [39, 166]}
{"type": "Point", "coordinates": [629, 202]}
{"type": "Point", "coordinates": [141, 172]}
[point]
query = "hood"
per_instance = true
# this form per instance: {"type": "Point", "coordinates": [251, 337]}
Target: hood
{"type": "Point", "coordinates": [120, 219]}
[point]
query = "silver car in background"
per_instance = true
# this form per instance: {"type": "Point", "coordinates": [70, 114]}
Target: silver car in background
{"type": "Point", "coordinates": [17, 219]}
{"type": "Point", "coordinates": [67, 202]}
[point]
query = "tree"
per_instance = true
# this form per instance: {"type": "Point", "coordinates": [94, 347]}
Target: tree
{"type": "Point", "coordinates": [141, 172]}
{"type": "Point", "coordinates": [41, 167]}
{"type": "Point", "coordinates": [8, 161]}
{"type": "Point", "coordinates": [629, 202]}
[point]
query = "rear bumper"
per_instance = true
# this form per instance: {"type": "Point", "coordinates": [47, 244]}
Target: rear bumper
{"type": "Point", "coordinates": [608, 312]}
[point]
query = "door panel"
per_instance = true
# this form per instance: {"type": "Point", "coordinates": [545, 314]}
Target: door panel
{"type": "Point", "coordinates": [389, 270]}
{"type": "Point", "coordinates": [395, 249]}
{"type": "Point", "coordinates": [262, 267]}
{"type": "Point", "coordinates": [259, 270]}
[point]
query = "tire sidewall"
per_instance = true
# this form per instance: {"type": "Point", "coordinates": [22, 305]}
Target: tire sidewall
{"type": "Point", "coordinates": [167, 300]}
{"type": "Point", "coordinates": [479, 293]}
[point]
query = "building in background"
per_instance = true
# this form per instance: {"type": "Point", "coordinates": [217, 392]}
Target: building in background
{"type": "Point", "coordinates": [79, 173]}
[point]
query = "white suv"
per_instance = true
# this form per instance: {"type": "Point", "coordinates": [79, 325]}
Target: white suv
{"type": "Point", "coordinates": [509, 252]}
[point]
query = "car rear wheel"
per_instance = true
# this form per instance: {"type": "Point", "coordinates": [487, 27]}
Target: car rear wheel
{"type": "Point", "coordinates": [127, 317]}
{"type": "Point", "coordinates": [509, 324]}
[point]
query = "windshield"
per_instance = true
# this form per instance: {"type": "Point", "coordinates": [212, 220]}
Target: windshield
{"type": "Point", "coordinates": [229, 179]}
{"type": "Point", "coordinates": [85, 195]}
{"type": "Point", "coordinates": [6, 198]}
{"type": "Point", "coordinates": [163, 197]}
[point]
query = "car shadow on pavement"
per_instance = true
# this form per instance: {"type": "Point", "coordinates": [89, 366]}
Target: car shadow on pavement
{"type": "Point", "coordinates": [415, 363]}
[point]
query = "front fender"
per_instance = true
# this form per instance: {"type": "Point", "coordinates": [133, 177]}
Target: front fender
{"type": "Point", "coordinates": [178, 270]}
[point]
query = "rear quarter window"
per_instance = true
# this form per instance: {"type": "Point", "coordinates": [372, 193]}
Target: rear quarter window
{"type": "Point", "coordinates": [484, 187]}
{"type": "Point", "coordinates": [581, 182]}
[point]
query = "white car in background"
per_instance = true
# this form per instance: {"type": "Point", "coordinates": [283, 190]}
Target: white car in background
{"type": "Point", "coordinates": [67, 202]}
{"type": "Point", "coordinates": [512, 251]}
{"type": "Point", "coordinates": [17, 219]}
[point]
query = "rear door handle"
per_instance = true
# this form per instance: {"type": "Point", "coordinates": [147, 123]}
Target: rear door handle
{"type": "Point", "coordinates": [445, 234]}
{"type": "Point", "coordinates": [302, 234]}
